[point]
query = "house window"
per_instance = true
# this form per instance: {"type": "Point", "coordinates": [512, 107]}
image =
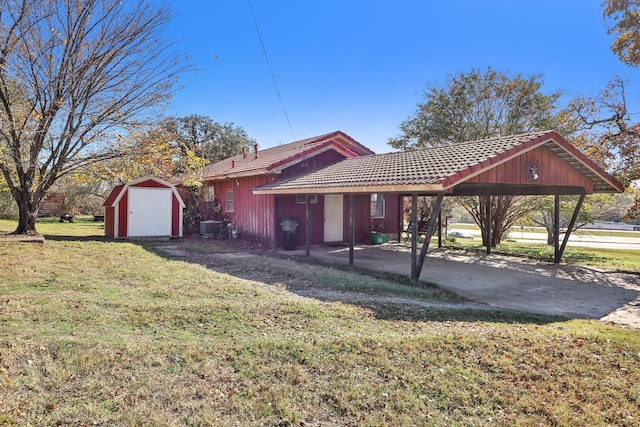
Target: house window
{"type": "Point", "coordinates": [229, 205]}
{"type": "Point", "coordinates": [377, 206]}
{"type": "Point", "coordinates": [302, 199]}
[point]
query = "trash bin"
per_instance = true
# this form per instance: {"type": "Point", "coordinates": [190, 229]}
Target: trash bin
{"type": "Point", "coordinates": [289, 233]}
{"type": "Point", "coordinates": [377, 238]}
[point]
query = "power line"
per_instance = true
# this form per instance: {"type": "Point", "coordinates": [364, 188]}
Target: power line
{"type": "Point", "coordinates": [273, 77]}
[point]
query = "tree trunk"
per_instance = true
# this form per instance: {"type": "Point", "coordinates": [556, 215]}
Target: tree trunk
{"type": "Point", "coordinates": [550, 237]}
{"type": "Point", "coordinates": [27, 212]}
{"type": "Point", "coordinates": [26, 221]}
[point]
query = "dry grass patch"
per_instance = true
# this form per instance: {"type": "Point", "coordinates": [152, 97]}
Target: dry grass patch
{"type": "Point", "coordinates": [111, 333]}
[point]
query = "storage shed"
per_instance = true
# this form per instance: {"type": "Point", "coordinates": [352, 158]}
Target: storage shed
{"type": "Point", "coordinates": [145, 207]}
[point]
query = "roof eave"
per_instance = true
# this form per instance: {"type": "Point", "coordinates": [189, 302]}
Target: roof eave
{"type": "Point", "coordinates": [356, 189]}
{"type": "Point", "coordinates": [549, 137]}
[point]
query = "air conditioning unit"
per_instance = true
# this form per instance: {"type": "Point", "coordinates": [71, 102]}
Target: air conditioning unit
{"type": "Point", "coordinates": [210, 228]}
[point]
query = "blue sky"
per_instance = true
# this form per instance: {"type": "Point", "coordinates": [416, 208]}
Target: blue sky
{"type": "Point", "coordinates": [362, 66]}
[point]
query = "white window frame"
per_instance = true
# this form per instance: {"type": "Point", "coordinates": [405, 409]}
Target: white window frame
{"type": "Point", "coordinates": [301, 199]}
{"type": "Point", "coordinates": [376, 200]}
{"type": "Point", "coordinates": [229, 202]}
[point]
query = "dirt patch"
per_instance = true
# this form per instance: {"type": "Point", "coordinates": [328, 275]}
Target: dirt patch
{"type": "Point", "coordinates": [22, 238]}
{"type": "Point", "coordinates": [233, 255]}
{"type": "Point", "coordinates": [176, 251]}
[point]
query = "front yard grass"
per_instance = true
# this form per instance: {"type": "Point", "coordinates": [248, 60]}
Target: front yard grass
{"type": "Point", "coordinates": [102, 332]}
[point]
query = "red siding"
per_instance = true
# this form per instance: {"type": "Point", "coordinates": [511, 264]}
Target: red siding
{"type": "Point", "coordinates": [552, 170]}
{"type": "Point", "coordinates": [109, 221]}
{"type": "Point", "coordinates": [150, 183]}
{"type": "Point", "coordinates": [175, 216]}
{"type": "Point", "coordinates": [253, 214]}
{"type": "Point", "coordinates": [123, 210]}
{"type": "Point", "coordinates": [364, 224]}
{"type": "Point", "coordinates": [287, 207]}
{"type": "Point", "coordinates": [319, 161]}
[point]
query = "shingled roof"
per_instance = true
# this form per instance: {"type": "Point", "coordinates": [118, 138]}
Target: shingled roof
{"type": "Point", "coordinates": [273, 160]}
{"type": "Point", "coordinates": [437, 169]}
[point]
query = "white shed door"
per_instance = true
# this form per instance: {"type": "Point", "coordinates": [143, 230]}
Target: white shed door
{"type": "Point", "coordinates": [149, 212]}
{"type": "Point", "coordinates": [333, 217]}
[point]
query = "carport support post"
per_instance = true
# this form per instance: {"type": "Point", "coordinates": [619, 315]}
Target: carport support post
{"type": "Point", "coordinates": [572, 223]}
{"type": "Point", "coordinates": [432, 225]}
{"type": "Point", "coordinates": [400, 217]}
{"type": "Point", "coordinates": [275, 222]}
{"type": "Point", "coordinates": [487, 222]}
{"type": "Point", "coordinates": [414, 234]}
{"type": "Point", "coordinates": [352, 227]}
{"type": "Point", "coordinates": [556, 228]}
{"type": "Point", "coordinates": [307, 246]}
{"type": "Point", "coordinates": [440, 229]}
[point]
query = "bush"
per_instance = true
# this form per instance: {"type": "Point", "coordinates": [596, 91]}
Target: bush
{"type": "Point", "coordinates": [8, 207]}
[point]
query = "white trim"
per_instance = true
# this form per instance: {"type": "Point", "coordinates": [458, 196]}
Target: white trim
{"type": "Point", "coordinates": [313, 199]}
{"type": "Point", "coordinates": [384, 205]}
{"type": "Point", "coordinates": [162, 182]}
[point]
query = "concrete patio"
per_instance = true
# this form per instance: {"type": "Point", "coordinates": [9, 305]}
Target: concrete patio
{"type": "Point", "coordinates": [507, 282]}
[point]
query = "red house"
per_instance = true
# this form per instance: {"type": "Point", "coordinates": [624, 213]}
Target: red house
{"type": "Point", "coordinates": [259, 217]}
{"type": "Point", "coordinates": [145, 207]}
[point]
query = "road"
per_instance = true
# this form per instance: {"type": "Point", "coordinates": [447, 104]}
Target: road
{"type": "Point", "coordinates": [584, 238]}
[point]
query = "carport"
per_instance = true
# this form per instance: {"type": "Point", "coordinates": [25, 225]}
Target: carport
{"type": "Point", "coordinates": [541, 163]}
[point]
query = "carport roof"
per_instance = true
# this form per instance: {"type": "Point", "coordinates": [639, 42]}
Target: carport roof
{"type": "Point", "coordinates": [437, 169]}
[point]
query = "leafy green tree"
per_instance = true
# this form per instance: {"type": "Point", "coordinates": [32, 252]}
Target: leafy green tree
{"type": "Point", "coordinates": [623, 19]}
{"type": "Point", "coordinates": [477, 105]}
{"type": "Point", "coordinates": [148, 150]}
{"type": "Point", "coordinates": [72, 74]}
{"type": "Point", "coordinates": [596, 207]}
{"type": "Point", "coordinates": [210, 140]}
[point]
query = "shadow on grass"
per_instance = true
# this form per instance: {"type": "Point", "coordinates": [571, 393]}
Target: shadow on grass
{"type": "Point", "coordinates": [96, 238]}
{"type": "Point", "coordinates": [305, 277]}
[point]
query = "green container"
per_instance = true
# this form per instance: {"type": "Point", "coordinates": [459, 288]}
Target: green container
{"type": "Point", "coordinates": [377, 238]}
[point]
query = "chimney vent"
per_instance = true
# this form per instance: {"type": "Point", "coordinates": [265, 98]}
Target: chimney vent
{"type": "Point", "coordinates": [233, 164]}
{"type": "Point", "coordinates": [255, 149]}
{"type": "Point", "coordinates": [244, 152]}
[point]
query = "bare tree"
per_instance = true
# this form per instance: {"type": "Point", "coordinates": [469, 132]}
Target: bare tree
{"type": "Point", "coordinates": [73, 73]}
{"type": "Point", "coordinates": [607, 131]}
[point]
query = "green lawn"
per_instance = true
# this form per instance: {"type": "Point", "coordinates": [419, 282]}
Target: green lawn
{"type": "Point", "coordinates": [184, 333]}
{"type": "Point", "coordinates": [539, 230]}
{"type": "Point", "coordinates": [626, 260]}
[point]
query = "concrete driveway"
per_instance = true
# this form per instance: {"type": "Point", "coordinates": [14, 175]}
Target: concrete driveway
{"type": "Point", "coordinates": [508, 282]}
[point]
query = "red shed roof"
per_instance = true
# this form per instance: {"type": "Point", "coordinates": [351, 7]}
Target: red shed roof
{"type": "Point", "coordinates": [148, 181]}
{"type": "Point", "coordinates": [437, 169]}
{"type": "Point", "coordinates": [273, 160]}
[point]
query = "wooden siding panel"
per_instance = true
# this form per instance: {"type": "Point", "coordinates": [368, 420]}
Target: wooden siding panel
{"type": "Point", "coordinates": [288, 208]}
{"type": "Point", "coordinates": [109, 221]}
{"type": "Point", "coordinates": [552, 171]}
{"type": "Point", "coordinates": [363, 220]}
{"type": "Point", "coordinates": [389, 223]}
{"type": "Point", "coordinates": [176, 217]}
{"type": "Point", "coordinates": [123, 215]}
{"type": "Point", "coordinates": [313, 163]}
{"type": "Point", "coordinates": [252, 214]}
{"type": "Point", "coordinates": [150, 183]}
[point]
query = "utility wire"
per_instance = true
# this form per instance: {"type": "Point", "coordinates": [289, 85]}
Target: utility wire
{"type": "Point", "coordinates": [273, 77]}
